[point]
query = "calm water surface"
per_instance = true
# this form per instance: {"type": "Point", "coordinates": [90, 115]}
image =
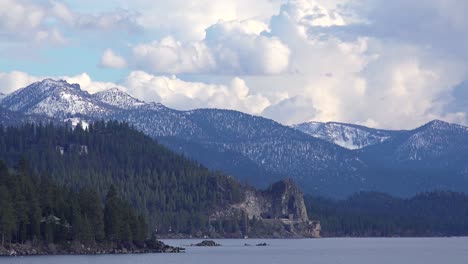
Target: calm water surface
{"type": "Point", "coordinates": [285, 251]}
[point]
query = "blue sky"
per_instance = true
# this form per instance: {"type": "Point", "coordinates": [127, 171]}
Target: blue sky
{"type": "Point", "coordinates": [388, 64]}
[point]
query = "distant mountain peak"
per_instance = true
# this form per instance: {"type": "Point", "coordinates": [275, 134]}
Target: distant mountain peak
{"type": "Point", "coordinates": [116, 97]}
{"type": "Point", "coordinates": [437, 123]}
{"type": "Point", "coordinates": [441, 126]}
{"type": "Point", "coordinates": [55, 83]}
{"type": "Point", "coordinates": [53, 98]}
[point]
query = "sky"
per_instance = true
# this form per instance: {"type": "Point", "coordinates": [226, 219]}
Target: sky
{"type": "Point", "coordinates": [388, 64]}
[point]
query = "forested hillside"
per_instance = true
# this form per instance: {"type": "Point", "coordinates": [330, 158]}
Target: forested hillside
{"type": "Point", "coordinates": [173, 193]}
{"type": "Point", "coordinates": [35, 209]}
{"type": "Point", "coordinates": [438, 213]}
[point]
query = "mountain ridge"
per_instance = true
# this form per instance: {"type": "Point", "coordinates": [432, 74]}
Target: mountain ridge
{"type": "Point", "coordinates": [259, 150]}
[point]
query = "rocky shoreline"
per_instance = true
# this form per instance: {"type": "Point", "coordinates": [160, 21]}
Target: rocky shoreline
{"type": "Point", "coordinates": [76, 248]}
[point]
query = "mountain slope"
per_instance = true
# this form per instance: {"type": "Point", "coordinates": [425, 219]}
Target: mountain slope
{"type": "Point", "coordinates": [164, 186]}
{"type": "Point", "coordinates": [346, 135]}
{"type": "Point", "coordinates": [260, 151]}
{"type": "Point", "coordinates": [434, 156]}
{"type": "Point", "coordinates": [13, 118]}
{"type": "Point", "coordinates": [242, 139]}
{"type": "Point", "coordinates": [434, 143]}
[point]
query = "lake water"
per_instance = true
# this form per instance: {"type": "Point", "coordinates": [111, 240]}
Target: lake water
{"type": "Point", "coordinates": [286, 251]}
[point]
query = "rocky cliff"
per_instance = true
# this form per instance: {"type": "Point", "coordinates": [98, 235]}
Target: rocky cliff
{"type": "Point", "coordinates": [278, 211]}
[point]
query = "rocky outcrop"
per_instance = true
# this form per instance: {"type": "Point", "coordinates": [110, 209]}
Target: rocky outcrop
{"type": "Point", "coordinates": [206, 243]}
{"type": "Point", "coordinates": [287, 202]}
{"type": "Point", "coordinates": [280, 209]}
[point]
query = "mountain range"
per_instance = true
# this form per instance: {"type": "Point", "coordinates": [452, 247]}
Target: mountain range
{"type": "Point", "coordinates": [332, 159]}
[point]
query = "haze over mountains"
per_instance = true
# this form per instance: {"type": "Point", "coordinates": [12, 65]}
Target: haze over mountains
{"type": "Point", "coordinates": [332, 159]}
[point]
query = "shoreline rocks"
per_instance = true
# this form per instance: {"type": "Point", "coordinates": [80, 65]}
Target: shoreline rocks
{"type": "Point", "coordinates": [76, 248]}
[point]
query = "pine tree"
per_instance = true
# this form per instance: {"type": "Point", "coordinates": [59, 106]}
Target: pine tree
{"type": "Point", "coordinates": [91, 207]}
{"type": "Point", "coordinates": [7, 216]}
{"type": "Point", "coordinates": [112, 215]}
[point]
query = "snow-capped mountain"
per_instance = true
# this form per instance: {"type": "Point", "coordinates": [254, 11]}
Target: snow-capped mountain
{"type": "Point", "coordinates": [346, 135]}
{"type": "Point", "coordinates": [329, 158]}
{"type": "Point", "coordinates": [118, 98]}
{"type": "Point", "coordinates": [56, 99]}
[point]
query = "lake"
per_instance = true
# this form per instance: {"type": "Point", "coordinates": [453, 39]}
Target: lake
{"type": "Point", "coordinates": [290, 251]}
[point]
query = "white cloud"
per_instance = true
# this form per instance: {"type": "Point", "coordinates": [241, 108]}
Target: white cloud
{"type": "Point", "coordinates": [169, 55]}
{"type": "Point", "coordinates": [12, 81]}
{"type": "Point", "coordinates": [21, 20]}
{"type": "Point", "coordinates": [117, 20]}
{"type": "Point", "coordinates": [111, 60]}
{"type": "Point", "coordinates": [187, 21]}
{"type": "Point", "coordinates": [62, 12]}
{"type": "Point", "coordinates": [51, 22]}
{"type": "Point", "coordinates": [363, 79]}
{"type": "Point", "coordinates": [89, 85]}
{"type": "Point", "coordinates": [184, 95]}
{"type": "Point", "coordinates": [229, 48]}
{"type": "Point", "coordinates": [292, 110]}
{"type": "Point", "coordinates": [239, 49]}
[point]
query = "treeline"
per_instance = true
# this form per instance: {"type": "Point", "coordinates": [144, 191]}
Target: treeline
{"type": "Point", "coordinates": [438, 213]}
{"type": "Point", "coordinates": [35, 209]}
{"type": "Point", "coordinates": [173, 193]}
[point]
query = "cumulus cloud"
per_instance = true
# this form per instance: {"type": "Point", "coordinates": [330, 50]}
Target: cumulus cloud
{"type": "Point", "coordinates": [183, 95]}
{"type": "Point", "coordinates": [25, 20]}
{"type": "Point", "coordinates": [12, 81]}
{"type": "Point", "coordinates": [235, 47]}
{"type": "Point", "coordinates": [111, 60]}
{"type": "Point", "coordinates": [88, 84]}
{"type": "Point", "coordinates": [188, 21]}
{"type": "Point", "coordinates": [169, 55]}
{"type": "Point", "coordinates": [118, 20]}
{"type": "Point", "coordinates": [238, 48]}
{"type": "Point", "coordinates": [49, 21]}
{"type": "Point", "coordinates": [292, 110]}
{"type": "Point", "coordinates": [363, 79]}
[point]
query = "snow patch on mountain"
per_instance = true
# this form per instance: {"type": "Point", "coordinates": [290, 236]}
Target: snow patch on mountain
{"type": "Point", "coordinates": [345, 135]}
